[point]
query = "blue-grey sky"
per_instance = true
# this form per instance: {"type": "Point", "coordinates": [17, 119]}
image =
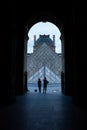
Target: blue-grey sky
{"type": "Point", "coordinates": [42, 28]}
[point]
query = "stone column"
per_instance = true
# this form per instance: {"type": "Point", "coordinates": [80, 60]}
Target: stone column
{"type": "Point", "coordinates": [63, 63]}
{"type": "Point", "coordinates": [25, 59]}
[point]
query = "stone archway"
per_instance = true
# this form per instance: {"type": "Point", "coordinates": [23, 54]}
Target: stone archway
{"type": "Point", "coordinates": [30, 23]}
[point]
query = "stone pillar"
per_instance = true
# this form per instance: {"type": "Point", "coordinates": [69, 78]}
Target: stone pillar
{"type": "Point", "coordinates": [20, 60]}
{"type": "Point", "coordinates": [25, 60]}
{"type": "Point", "coordinates": [63, 63]}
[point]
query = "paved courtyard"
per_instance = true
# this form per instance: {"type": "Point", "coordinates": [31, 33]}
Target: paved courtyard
{"type": "Point", "coordinates": [52, 87]}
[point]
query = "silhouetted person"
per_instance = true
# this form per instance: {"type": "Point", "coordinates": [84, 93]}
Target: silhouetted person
{"type": "Point", "coordinates": [39, 85]}
{"type": "Point", "coordinates": [45, 82]}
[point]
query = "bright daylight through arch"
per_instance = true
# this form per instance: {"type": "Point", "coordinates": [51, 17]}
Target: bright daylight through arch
{"type": "Point", "coordinates": [42, 28]}
{"type": "Point", "coordinates": [44, 56]}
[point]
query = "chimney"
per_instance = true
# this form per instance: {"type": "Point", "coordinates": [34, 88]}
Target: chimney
{"type": "Point", "coordinates": [54, 39]}
{"type": "Point", "coordinates": [34, 39]}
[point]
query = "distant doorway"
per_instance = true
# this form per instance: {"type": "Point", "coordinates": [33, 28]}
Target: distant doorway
{"type": "Point", "coordinates": [44, 56]}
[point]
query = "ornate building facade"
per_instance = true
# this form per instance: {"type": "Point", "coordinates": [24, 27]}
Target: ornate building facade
{"type": "Point", "coordinates": [44, 61]}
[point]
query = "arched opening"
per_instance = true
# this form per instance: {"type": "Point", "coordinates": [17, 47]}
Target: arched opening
{"type": "Point", "coordinates": [53, 65]}
{"type": "Point", "coordinates": [47, 28]}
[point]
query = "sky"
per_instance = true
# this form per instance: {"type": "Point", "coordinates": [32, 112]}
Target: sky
{"type": "Point", "coordinates": [42, 28]}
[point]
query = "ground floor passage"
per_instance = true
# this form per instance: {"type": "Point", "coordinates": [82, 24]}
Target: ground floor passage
{"type": "Point", "coordinates": [36, 111]}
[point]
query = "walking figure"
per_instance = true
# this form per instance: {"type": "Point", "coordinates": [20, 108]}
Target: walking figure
{"type": "Point", "coordinates": [39, 85]}
{"type": "Point", "coordinates": [45, 85]}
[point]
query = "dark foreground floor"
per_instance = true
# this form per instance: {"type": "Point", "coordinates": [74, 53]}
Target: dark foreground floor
{"type": "Point", "coordinates": [35, 111]}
